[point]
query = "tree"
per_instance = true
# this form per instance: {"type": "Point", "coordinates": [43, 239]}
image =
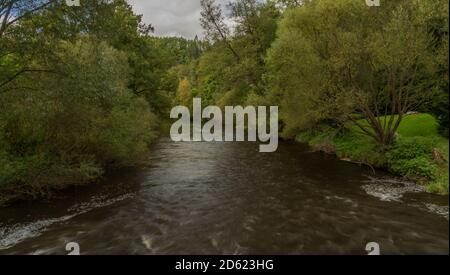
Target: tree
{"type": "Point", "coordinates": [287, 4]}
{"type": "Point", "coordinates": [256, 25]}
{"type": "Point", "coordinates": [437, 20]}
{"type": "Point", "coordinates": [222, 77]}
{"type": "Point", "coordinates": [184, 93]}
{"type": "Point", "coordinates": [12, 11]}
{"type": "Point", "coordinates": [17, 43]}
{"type": "Point", "coordinates": [69, 92]}
{"type": "Point", "coordinates": [216, 30]}
{"type": "Point", "coordinates": [328, 64]}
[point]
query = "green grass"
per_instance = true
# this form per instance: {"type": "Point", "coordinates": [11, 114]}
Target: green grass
{"type": "Point", "coordinates": [411, 156]}
{"type": "Point", "coordinates": [424, 125]}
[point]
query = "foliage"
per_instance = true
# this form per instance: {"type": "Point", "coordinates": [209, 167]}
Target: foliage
{"type": "Point", "coordinates": [70, 108]}
{"type": "Point", "coordinates": [179, 50]}
{"type": "Point", "coordinates": [232, 68]}
{"type": "Point", "coordinates": [75, 125]}
{"type": "Point", "coordinates": [438, 26]}
{"type": "Point", "coordinates": [413, 158]}
{"type": "Point", "coordinates": [378, 67]}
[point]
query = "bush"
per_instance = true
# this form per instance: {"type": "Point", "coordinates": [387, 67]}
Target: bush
{"type": "Point", "coordinates": [16, 169]}
{"type": "Point", "coordinates": [345, 143]}
{"type": "Point", "coordinates": [418, 168]}
{"type": "Point", "coordinates": [413, 158]}
{"type": "Point", "coordinates": [70, 129]}
{"type": "Point", "coordinates": [123, 136]}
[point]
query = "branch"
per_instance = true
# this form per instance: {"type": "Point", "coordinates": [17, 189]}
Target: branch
{"type": "Point", "coordinates": [5, 18]}
{"type": "Point", "coordinates": [364, 129]}
{"type": "Point", "coordinates": [6, 24]}
{"type": "Point", "coordinates": [16, 75]}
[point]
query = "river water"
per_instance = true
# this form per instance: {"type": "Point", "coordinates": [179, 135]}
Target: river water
{"type": "Point", "coordinates": [227, 198]}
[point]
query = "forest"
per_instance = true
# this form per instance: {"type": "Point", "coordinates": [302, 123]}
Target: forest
{"type": "Point", "coordinates": [87, 89]}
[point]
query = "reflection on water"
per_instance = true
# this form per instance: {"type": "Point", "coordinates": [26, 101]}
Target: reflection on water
{"type": "Point", "coordinates": [226, 198]}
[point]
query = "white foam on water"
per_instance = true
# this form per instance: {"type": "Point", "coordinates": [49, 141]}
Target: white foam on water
{"type": "Point", "coordinates": [344, 200]}
{"type": "Point", "coordinates": [147, 241]}
{"type": "Point", "coordinates": [98, 202]}
{"type": "Point", "coordinates": [10, 236]}
{"type": "Point", "coordinates": [17, 233]}
{"type": "Point", "coordinates": [394, 190]}
{"type": "Point", "coordinates": [437, 209]}
{"type": "Point", "coordinates": [390, 189]}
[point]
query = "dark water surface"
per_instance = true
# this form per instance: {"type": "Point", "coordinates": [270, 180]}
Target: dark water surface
{"type": "Point", "coordinates": [226, 198]}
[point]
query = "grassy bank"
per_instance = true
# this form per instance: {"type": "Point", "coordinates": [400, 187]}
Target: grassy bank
{"type": "Point", "coordinates": [419, 153]}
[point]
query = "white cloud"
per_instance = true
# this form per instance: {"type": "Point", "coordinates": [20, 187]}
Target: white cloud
{"type": "Point", "coordinates": [172, 17]}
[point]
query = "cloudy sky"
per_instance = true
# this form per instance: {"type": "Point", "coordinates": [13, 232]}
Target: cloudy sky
{"type": "Point", "coordinates": [172, 17]}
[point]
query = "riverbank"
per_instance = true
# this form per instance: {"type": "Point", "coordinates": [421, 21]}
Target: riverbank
{"type": "Point", "coordinates": [419, 154]}
{"type": "Point", "coordinates": [42, 175]}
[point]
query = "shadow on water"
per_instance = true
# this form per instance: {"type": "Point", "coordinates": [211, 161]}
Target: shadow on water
{"type": "Point", "coordinates": [226, 198]}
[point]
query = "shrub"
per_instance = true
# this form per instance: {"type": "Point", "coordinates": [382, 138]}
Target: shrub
{"type": "Point", "coordinates": [70, 129]}
{"type": "Point", "coordinates": [418, 168]}
{"type": "Point", "coordinates": [413, 158]}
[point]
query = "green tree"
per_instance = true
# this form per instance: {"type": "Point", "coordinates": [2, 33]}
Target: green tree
{"type": "Point", "coordinates": [71, 99]}
{"type": "Point", "coordinates": [232, 68]}
{"type": "Point", "coordinates": [329, 64]}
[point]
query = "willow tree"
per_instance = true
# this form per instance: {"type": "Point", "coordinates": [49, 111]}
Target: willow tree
{"type": "Point", "coordinates": [344, 61]}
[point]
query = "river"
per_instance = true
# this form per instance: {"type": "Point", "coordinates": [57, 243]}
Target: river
{"type": "Point", "coordinates": [227, 198]}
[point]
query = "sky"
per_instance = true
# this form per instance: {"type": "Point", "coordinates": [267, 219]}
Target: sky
{"type": "Point", "coordinates": [172, 17]}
